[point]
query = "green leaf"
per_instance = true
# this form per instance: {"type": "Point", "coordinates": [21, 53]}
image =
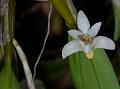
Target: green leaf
{"type": "Point", "coordinates": [116, 8]}
{"type": "Point", "coordinates": [7, 77]}
{"type": "Point", "coordinates": [93, 74]}
{"type": "Point", "coordinates": [66, 11]}
{"type": "Point", "coordinates": [74, 62]}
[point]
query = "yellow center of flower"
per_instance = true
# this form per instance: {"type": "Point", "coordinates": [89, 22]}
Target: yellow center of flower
{"type": "Point", "coordinates": [86, 39]}
{"type": "Point", "coordinates": [89, 55]}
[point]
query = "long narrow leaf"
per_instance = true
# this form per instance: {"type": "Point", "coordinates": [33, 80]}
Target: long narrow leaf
{"type": "Point", "coordinates": [92, 74]}
{"type": "Point", "coordinates": [116, 8]}
{"type": "Point", "coordinates": [66, 11]}
{"type": "Point", "coordinates": [7, 77]}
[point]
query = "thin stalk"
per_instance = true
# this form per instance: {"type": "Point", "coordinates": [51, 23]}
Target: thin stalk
{"type": "Point", "coordinates": [44, 43]}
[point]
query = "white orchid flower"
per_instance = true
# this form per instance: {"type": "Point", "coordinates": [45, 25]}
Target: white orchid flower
{"type": "Point", "coordinates": [85, 39]}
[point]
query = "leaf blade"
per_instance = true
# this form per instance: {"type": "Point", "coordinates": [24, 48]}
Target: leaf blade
{"type": "Point", "coordinates": [116, 8]}
{"type": "Point", "coordinates": [92, 74]}
{"type": "Point", "coordinates": [7, 77]}
{"type": "Point", "coordinates": [65, 11]}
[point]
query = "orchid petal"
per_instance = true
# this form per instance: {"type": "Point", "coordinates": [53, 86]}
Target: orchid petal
{"type": "Point", "coordinates": [94, 29]}
{"type": "Point", "coordinates": [82, 22]}
{"type": "Point", "coordinates": [86, 48]}
{"type": "Point", "coordinates": [74, 33]}
{"type": "Point", "coordinates": [103, 42]}
{"type": "Point", "coordinates": [70, 48]}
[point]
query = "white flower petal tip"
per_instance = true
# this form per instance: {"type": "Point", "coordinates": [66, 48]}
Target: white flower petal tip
{"type": "Point", "coordinates": [83, 22]}
{"type": "Point", "coordinates": [94, 29]}
{"type": "Point", "coordinates": [70, 48]}
{"type": "Point", "coordinates": [74, 33]}
{"type": "Point", "coordinates": [104, 42]}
